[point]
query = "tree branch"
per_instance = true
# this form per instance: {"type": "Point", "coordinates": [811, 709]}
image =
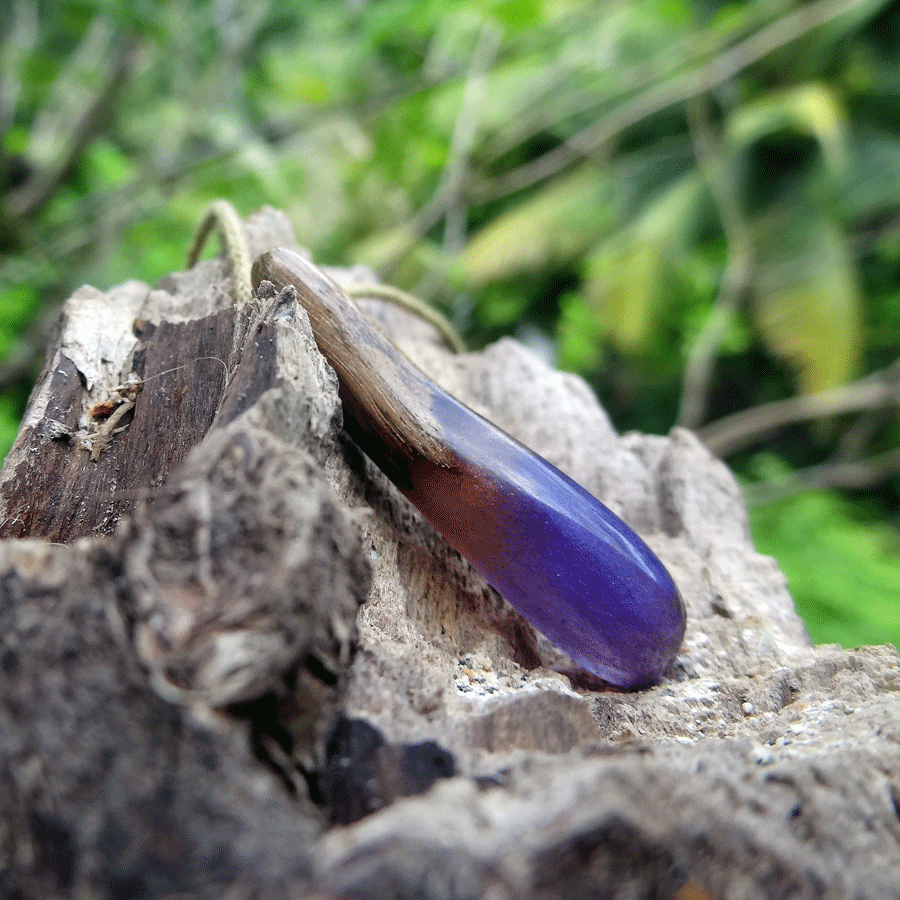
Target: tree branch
{"type": "Point", "coordinates": [845, 474]}
{"type": "Point", "coordinates": [27, 200]}
{"type": "Point", "coordinates": [734, 432]}
{"type": "Point", "coordinates": [739, 265]}
{"type": "Point", "coordinates": [794, 25]}
{"type": "Point", "coordinates": [18, 41]}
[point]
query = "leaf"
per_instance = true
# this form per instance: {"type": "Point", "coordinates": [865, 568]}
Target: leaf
{"type": "Point", "coordinates": [624, 286]}
{"type": "Point", "coordinates": [807, 303]}
{"type": "Point", "coordinates": [811, 108]}
{"type": "Point", "coordinates": [625, 276]}
{"type": "Point", "coordinates": [553, 225]}
{"type": "Point", "coordinates": [873, 183]}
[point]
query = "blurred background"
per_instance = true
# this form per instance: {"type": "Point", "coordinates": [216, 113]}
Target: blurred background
{"type": "Point", "coordinates": [693, 205]}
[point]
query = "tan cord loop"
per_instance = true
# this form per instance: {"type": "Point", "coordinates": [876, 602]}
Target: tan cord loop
{"type": "Point", "coordinates": [222, 214]}
{"type": "Point", "coordinates": [414, 305]}
{"type": "Point", "coordinates": [234, 241]}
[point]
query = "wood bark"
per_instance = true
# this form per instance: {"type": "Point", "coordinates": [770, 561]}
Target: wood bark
{"type": "Point", "coordinates": [234, 662]}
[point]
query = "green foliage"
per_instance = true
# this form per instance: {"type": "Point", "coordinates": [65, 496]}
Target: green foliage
{"type": "Point", "coordinates": [626, 274]}
{"type": "Point", "coordinates": [17, 306]}
{"type": "Point", "coordinates": [554, 225]}
{"type": "Point", "coordinates": [808, 307]}
{"type": "Point", "coordinates": [578, 338]}
{"type": "Point", "coordinates": [810, 108]}
{"type": "Point", "coordinates": [855, 598]}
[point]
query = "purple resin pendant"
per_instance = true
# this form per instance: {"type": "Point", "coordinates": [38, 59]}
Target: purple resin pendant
{"type": "Point", "coordinates": [575, 570]}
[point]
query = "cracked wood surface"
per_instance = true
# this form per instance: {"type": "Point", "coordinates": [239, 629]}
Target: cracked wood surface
{"type": "Point", "coordinates": [230, 632]}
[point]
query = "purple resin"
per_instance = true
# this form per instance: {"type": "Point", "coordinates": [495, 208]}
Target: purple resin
{"type": "Point", "coordinates": [575, 570]}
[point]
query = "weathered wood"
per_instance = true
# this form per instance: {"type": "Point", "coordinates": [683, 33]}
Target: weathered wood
{"type": "Point", "coordinates": [180, 342]}
{"type": "Point", "coordinates": [191, 700]}
{"type": "Point", "coordinates": [56, 489]}
{"type": "Point", "coordinates": [221, 572]}
{"type": "Point", "coordinates": [107, 790]}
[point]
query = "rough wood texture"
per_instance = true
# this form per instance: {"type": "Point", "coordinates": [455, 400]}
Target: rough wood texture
{"type": "Point", "coordinates": [191, 706]}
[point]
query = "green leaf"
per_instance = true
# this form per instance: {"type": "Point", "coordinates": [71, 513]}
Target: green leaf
{"type": "Point", "coordinates": [812, 109]}
{"type": "Point", "coordinates": [626, 275]}
{"type": "Point", "coordinates": [624, 283]}
{"type": "Point", "coordinates": [553, 225]}
{"type": "Point", "coordinates": [807, 301]}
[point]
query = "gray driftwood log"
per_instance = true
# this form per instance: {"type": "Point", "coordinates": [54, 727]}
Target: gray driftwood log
{"type": "Point", "coordinates": [234, 662]}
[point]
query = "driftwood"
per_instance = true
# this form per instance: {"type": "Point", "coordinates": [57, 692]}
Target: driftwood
{"type": "Point", "coordinates": [234, 662]}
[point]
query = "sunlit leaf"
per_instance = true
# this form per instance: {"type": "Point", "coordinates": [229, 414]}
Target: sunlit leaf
{"type": "Point", "coordinates": [624, 284]}
{"type": "Point", "coordinates": [808, 305]}
{"type": "Point", "coordinates": [625, 275]}
{"type": "Point", "coordinates": [813, 109]}
{"type": "Point", "coordinates": [555, 224]}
